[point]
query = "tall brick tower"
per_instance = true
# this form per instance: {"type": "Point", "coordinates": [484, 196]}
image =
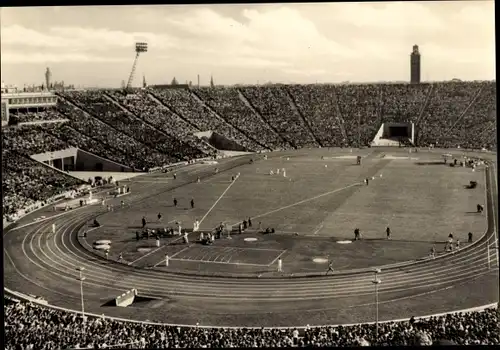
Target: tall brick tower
{"type": "Point", "coordinates": [415, 65]}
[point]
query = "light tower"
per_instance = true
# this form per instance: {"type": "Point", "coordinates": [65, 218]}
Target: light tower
{"type": "Point", "coordinates": [139, 48]}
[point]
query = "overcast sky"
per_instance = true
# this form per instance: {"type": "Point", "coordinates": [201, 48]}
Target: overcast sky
{"type": "Point", "coordinates": [289, 43]}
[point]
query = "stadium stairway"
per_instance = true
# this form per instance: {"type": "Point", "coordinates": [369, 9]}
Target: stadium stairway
{"type": "Point", "coordinates": [202, 102]}
{"type": "Point", "coordinates": [459, 119]}
{"type": "Point", "coordinates": [293, 104]}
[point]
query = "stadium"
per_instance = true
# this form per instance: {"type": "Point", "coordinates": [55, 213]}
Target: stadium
{"type": "Point", "coordinates": [280, 215]}
{"type": "Point", "coordinates": [313, 209]}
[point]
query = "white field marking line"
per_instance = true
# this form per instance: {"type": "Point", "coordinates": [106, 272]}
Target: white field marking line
{"type": "Point", "coordinates": [351, 281]}
{"type": "Point", "coordinates": [94, 228]}
{"type": "Point", "coordinates": [180, 251]}
{"type": "Point", "coordinates": [221, 253]}
{"type": "Point", "coordinates": [245, 248]}
{"type": "Point", "coordinates": [157, 249]}
{"type": "Point", "coordinates": [219, 262]}
{"type": "Point", "coordinates": [272, 262]}
{"type": "Point", "coordinates": [170, 257]}
{"type": "Point", "coordinates": [94, 264]}
{"type": "Point", "coordinates": [320, 226]}
{"type": "Point", "coordinates": [302, 201]}
{"type": "Point", "coordinates": [204, 254]}
{"type": "Point", "coordinates": [229, 254]}
{"type": "Point", "coordinates": [197, 253]}
{"type": "Point", "coordinates": [149, 181]}
{"type": "Point", "coordinates": [121, 195]}
{"type": "Point", "coordinates": [217, 201]}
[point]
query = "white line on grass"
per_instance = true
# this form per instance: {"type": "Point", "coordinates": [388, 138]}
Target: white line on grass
{"type": "Point", "coordinates": [244, 248]}
{"type": "Point", "coordinates": [220, 262]}
{"type": "Point", "coordinates": [217, 201]}
{"type": "Point", "coordinates": [301, 202]}
{"type": "Point", "coordinates": [272, 262]}
{"type": "Point", "coordinates": [94, 228]}
{"type": "Point", "coordinates": [319, 227]}
{"type": "Point", "coordinates": [157, 249]}
{"type": "Point", "coordinates": [170, 257]}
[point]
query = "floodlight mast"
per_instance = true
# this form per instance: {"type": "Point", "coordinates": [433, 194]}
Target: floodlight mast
{"type": "Point", "coordinates": [140, 47]}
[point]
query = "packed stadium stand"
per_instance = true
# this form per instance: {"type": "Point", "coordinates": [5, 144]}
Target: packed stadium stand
{"type": "Point", "coordinates": [23, 322]}
{"type": "Point", "coordinates": [153, 127]}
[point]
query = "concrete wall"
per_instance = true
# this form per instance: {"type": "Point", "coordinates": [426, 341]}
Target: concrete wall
{"type": "Point", "coordinates": [202, 134]}
{"type": "Point", "coordinates": [65, 153]}
{"type": "Point", "coordinates": [118, 176]}
{"type": "Point", "coordinates": [86, 161]}
{"type": "Point", "coordinates": [74, 159]}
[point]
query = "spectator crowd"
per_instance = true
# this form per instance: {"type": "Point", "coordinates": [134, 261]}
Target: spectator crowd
{"type": "Point", "coordinates": [30, 326]}
{"type": "Point", "coordinates": [26, 182]}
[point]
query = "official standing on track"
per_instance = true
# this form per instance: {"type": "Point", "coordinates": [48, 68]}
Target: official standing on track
{"type": "Point", "coordinates": [280, 265]}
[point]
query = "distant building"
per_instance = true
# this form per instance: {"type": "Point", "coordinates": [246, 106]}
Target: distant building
{"type": "Point", "coordinates": [415, 66]}
{"type": "Point", "coordinates": [48, 76]}
{"type": "Point", "coordinates": [14, 101]}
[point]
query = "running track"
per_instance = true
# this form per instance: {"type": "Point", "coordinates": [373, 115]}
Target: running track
{"type": "Point", "coordinates": [42, 264]}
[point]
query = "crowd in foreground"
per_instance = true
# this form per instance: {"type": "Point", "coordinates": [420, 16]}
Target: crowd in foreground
{"type": "Point", "coordinates": [31, 326]}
